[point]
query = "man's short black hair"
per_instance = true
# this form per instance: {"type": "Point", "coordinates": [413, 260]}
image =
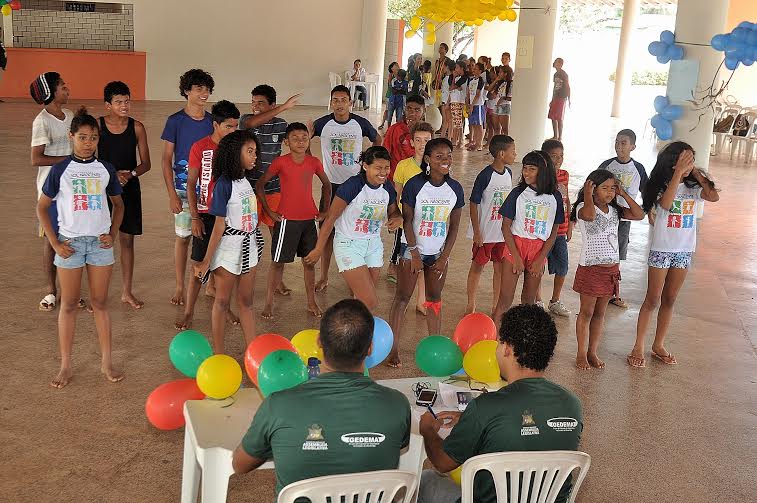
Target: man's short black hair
{"type": "Point", "coordinates": [551, 144]}
{"type": "Point", "coordinates": [500, 142]}
{"type": "Point", "coordinates": [195, 77]}
{"type": "Point", "coordinates": [267, 91]}
{"type": "Point", "coordinates": [416, 98]}
{"type": "Point", "coordinates": [629, 134]}
{"type": "Point", "coordinates": [341, 89]}
{"type": "Point", "coordinates": [224, 110]}
{"type": "Point", "coordinates": [346, 334]}
{"type": "Point", "coordinates": [295, 126]}
{"type": "Point", "coordinates": [446, 47]}
{"type": "Point", "coordinates": [532, 334]}
{"type": "Point", "coordinates": [114, 88]}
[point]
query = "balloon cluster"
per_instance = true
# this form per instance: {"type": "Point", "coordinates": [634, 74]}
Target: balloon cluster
{"type": "Point", "coordinates": [662, 121]}
{"type": "Point", "coordinates": [9, 5]}
{"type": "Point", "coordinates": [740, 45]}
{"type": "Point", "coordinates": [471, 347]}
{"type": "Point", "coordinates": [471, 12]}
{"type": "Point", "coordinates": [665, 49]}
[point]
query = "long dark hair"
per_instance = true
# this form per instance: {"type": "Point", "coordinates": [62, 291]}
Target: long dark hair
{"type": "Point", "coordinates": [662, 173]}
{"type": "Point", "coordinates": [430, 146]}
{"type": "Point", "coordinates": [227, 159]}
{"type": "Point", "coordinates": [371, 154]}
{"type": "Point", "coordinates": [546, 178]}
{"type": "Point", "coordinates": [598, 177]}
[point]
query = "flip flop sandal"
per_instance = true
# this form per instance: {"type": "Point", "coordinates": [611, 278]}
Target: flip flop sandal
{"type": "Point", "coordinates": [668, 359]}
{"type": "Point", "coordinates": [636, 361]}
{"type": "Point", "coordinates": [47, 303]}
{"type": "Point", "coordinates": [82, 304]}
{"type": "Point", "coordinates": [617, 301]}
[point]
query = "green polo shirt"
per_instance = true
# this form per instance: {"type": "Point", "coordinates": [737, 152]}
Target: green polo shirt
{"type": "Point", "coordinates": [531, 414]}
{"type": "Point", "coordinates": [333, 424]}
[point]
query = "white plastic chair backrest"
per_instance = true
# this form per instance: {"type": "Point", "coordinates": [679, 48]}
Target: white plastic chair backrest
{"type": "Point", "coordinates": [372, 77]}
{"type": "Point", "coordinates": [334, 80]}
{"type": "Point", "coordinates": [384, 483]}
{"type": "Point", "coordinates": [547, 469]}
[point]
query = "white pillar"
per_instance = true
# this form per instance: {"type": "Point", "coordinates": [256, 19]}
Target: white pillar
{"type": "Point", "coordinates": [532, 87]}
{"type": "Point", "coordinates": [697, 21]}
{"type": "Point", "coordinates": [622, 72]}
{"type": "Point", "coordinates": [443, 34]}
{"type": "Point", "coordinates": [373, 39]}
{"type": "Point", "coordinates": [7, 30]}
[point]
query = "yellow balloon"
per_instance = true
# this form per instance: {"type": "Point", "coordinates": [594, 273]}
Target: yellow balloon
{"type": "Point", "coordinates": [478, 22]}
{"type": "Point", "coordinates": [480, 362]}
{"type": "Point", "coordinates": [415, 22]}
{"type": "Point", "coordinates": [510, 2]}
{"type": "Point", "coordinates": [409, 33]}
{"type": "Point", "coordinates": [6, 10]}
{"type": "Point", "coordinates": [430, 27]}
{"type": "Point", "coordinates": [306, 344]}
{"type": "Point", "coordinates": [501, 4]}
{"type": "Point", "coordinates": [456, 474]}
{"type": "Point", "coordinates": [502, 16]}
{"type": "Point", "coordinates": [431, 39]}
{"type": "Point", "coordinates": [219, 376]}
{"type": "Point", "coordinates": [511, 15]}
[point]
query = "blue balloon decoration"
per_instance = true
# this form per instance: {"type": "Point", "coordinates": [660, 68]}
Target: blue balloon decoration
{"type": "Point", "coordinates": [718, 42]}
{"type": "Point", "coordinates": [731, 63]}
{"type": "Point", "coordinates": [660, 103]}
{"type": "Point", "coordinates": [656, 48]}
{"type": "Point", "coordinates": [732, 44]}
{"type": "Point", "coordinates": [664, 130]}
{"type": "Point", "coordinates": [672, 112]}
{"type": "Point", "coordinates": [383, 339]}
{"type": "Point", "coordinates": [747, 61]}
{"type": "Point", "coordinates": [663, 59]}
{"type": "Point", "coordinates": [739, 34]}
{"type": "Point", "coordinates": [753, 55]}
{"type": "Point", "coordinates": [747, 25]}
{"type": "Point", "coordinates": [668, 37]}
{"type": "Point", "coordinates": [751, 39]}
{"type": "Point", "coordinates": [460, 372]}
{"type": "Point", "coordinates": [678, 53]}
{"type": "Point", "coordinates": [656, 120]}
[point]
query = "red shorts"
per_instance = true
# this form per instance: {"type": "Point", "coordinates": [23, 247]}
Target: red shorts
{"type": "Point", "coordinates": [273, 202]}
{"type": "Point", "coordinates": [557, 109]}
{"type": "Point", "coordinates": [528, 250]}
{"type": "Point", "coordinates": [489, 252]}
{"type": "Point", "coordinates": [597, 280]}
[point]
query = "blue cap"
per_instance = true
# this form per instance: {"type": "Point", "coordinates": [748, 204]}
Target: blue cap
{"type": "Point", "coordinates": [313, 361]}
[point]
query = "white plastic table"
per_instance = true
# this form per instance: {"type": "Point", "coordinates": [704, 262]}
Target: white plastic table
{"type": "Point", "coordinates": [213, 431]}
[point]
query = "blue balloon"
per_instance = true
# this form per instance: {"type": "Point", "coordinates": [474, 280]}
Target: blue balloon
{"type": "Point", "coordinates": [664, 130]}
{"type": "Point", "coordinates": [718, 42]}
{"type": "Point", "coordinates": [678, 55]}
{"type": "Point", "coordinates": [732, 44]}
{"type": "Point", "coordinates": [663, 59]}
{"type": "Point", "coordinates": [383, 339]}
{"type": "Point", "coordinates": [672, 112]}
{"type": "Point", "coordinates": [660, 103]}
{"type": "Point", "coordinates": [731, 63]}
{"type": "Point", "coordinates": [460, 372]}
{"type": "Point", "coordinates": [747, 25]}
{"type": "Point", "coordinates": [739, 34]}
{"type": "Point", "coordinates": [656, 48]}
{"type": "Point", "coordinates": [747, 61]}
{"type": "Point", "coordinates": [753, 54]}
{"type": "Point", "coordinates": [735, 53]}
{"type": "Point", "coordinates": [751, 39]}
{"type": "Point", "coordinates": [656, 120]}
{"type": "Point", "coordinates": [668, 37]}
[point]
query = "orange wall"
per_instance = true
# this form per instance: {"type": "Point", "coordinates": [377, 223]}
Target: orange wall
{"type": "Point", "coordinates": [741, 10]}
{"type": "Point", "coordinates": [85, 72]}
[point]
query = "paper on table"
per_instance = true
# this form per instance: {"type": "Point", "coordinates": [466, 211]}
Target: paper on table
{"type": "Point", "coordinates": [448, 393]}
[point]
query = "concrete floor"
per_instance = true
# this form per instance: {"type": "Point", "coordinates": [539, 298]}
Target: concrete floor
{"type": "Point", "coordinates": [686, 433]}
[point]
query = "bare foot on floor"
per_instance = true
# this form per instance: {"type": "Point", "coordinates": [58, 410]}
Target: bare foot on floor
{"type": "Point", "coordinates": [421, 309]}
{"type": "Point", "coordinates": [321, 285]}
{"type": "Point", "coordinates": [267, 313]}
{"type": "Point", "coordinates": [315, 310]}
{"type": "Point", "coordinates": [582, 363]}
{"type": "Point", "coordinates": [178, 298]}
{"type": "Point", "coordinates": [283, 290]}
{"type": "Point", "coordinates": [393, 363]}
{"type": "Point", "coordinates": [128, 298]}
{"type": "Point", "coordinates": [184, 323]}
{"type": "Point", "coordinates": [232, 318]}
{"type": "Point", "coordinates": [111, 374]}
{"type": "Point", "coordinates": [63, 377]}
{"type": "Point", "coordinates": [595, 362]}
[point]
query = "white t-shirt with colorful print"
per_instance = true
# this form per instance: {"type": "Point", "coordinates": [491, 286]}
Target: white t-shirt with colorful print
{"type": "Point", "coordinates": [600, 237]}
{"type": "Point", "coordinates": [235, 200]}
{"type": "Point", "coordinates": [489, 192]}
{"type": "Point", "coordinates": [533, 214]}
{"type": "Point", "coordinates": [432, 206]}
{"type": "Point", "coordinates": [367, 207]}
{"type": "Point", "coordinates": [675, 230]}
{"type": "Point", "coordinates": [341, 144]}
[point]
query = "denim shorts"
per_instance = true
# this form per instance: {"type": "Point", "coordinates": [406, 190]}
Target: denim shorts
{"type": "Point", "coordinates": [503, 109]}
{"type": "Point", "coordinates": [557, 260]}
{"type": "Point", "coordinates": [183, 221]}
{"type": "Point", "coordinates": [354, 253]}
{"type": "Point", "coordinates": [428, 260]}
{"type": "Point", "coordinates": [670, 260]}
{"type": "Point", "coordinates": [87, 251]}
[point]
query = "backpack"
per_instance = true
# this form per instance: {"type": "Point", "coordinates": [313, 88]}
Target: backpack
{"type": "Point", "coordinates": [741, 125]}
{"type": "Point", "coordinates": [723, 125]}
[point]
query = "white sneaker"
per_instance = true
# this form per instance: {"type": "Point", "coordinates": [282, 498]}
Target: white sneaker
{"type": "Point", "coordinates": [558, 308]}
{"type": "Point", "coordinates": [540, 304]}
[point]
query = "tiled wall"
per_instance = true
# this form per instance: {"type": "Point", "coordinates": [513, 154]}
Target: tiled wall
{"type": "Point", "coordinates": [46, 24]}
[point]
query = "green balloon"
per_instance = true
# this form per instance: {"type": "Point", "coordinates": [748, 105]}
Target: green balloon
{"type": "Point", "coordinates": [281, 370]}
{"type": "Point", "coordinates": [438, 356]}
{"type": "Point", "coordinates": [188, 350]}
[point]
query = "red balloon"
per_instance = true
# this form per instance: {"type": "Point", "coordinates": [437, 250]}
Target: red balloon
{"type": "Point", "coordinates": [165, 405]}
{"type": "Point", "coordinates": [259, 348]}
{"type": "Point", "coordinates": [473, 328]}
{"type": "Point", "coordinates": [15, 4]}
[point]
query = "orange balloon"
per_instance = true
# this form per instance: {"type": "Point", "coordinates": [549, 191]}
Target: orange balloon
{"type": "Point", "coordinates": [259, 348]}
{"type": "Point", "coordinates": [165, 405]}
{"type": "Point", "coordinates": [473, 328]}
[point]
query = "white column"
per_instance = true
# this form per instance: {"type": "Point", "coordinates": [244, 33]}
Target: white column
{"type": "Point", "coordinates": [373, 39]}
{"type": "Point", "coordinates": [7, 30]}
{"type": "Point", "coordinates": [697, 21]}
{"type": "Point", "coordinates": [622, 72]}
{"type": "Point", "coordinates": [443, 34]}
{"type": "Point", "coordinates": [533, 73]}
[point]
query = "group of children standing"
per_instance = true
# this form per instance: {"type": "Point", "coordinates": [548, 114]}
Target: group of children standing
{"type": "Point", "coordinates": [225, 175]}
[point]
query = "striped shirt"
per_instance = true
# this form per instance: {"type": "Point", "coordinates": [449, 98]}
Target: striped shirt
{"type": "Point", "coordinates": [562, 187]}
{"type": "Point", "coordinates": [270, 135]}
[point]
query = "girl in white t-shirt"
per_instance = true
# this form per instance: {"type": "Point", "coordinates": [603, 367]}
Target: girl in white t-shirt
{"type": "Point", "coordinates": [232, 254]}
{"type": "Point", "coordinates": [80, 186]}
{"type": "Point", "coordinates": [445, 130]}
{"type": "Point", "coordinates": [358, 212]}
{"type": "Point", "coordinates": [598, 275]}
{"type": "Point", "coordinates": [458, 90]}
{"type": "Point", "coordinates": [674, 190]}
{"type": "Point", "coordinates": [432, 203]}
{"type": "Point", "coordinates": [532, 213]}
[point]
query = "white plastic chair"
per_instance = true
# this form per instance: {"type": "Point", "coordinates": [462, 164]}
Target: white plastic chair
{"type": "Point", "coordinates": [721, 137]}
{"type": "Point", "coordinates": [741, 143]}
{"type": "Point", "coordinates": [371, 83]}
{"type": "Point", "coordinates": [547, 469]}
{"type": "Point", "coordinates": [334, 80]}
{"type": "Point", "coordinates": [384, 483]}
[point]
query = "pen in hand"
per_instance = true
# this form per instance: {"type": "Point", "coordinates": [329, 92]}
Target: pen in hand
{"type": "Point", "coordinates": [431, 411]}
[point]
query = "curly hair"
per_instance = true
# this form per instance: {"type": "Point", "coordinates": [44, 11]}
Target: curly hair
{"type": "Point", "coordinates": [227, 160]}
{"type": "Point", "coordinates": [598, 177]}
{"type": "Point", "coordinates": [195, 77]}
{"type": "Point", "coordinates": [532, 334]}
{"type": "Point", "coordinates": [83, 118]}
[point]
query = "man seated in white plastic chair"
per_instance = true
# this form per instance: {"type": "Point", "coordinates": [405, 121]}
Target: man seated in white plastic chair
{"type": "Point", "coordinates": [319, 427]}
{"type": "Point", "coordinates": [357, 74]}
{"type": "Point", "coordinates": [529, 414]}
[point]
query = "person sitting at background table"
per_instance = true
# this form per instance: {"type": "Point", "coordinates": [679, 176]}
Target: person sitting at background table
{"type": "Point", "coordinates": [357, 74]}
{"type": "Point", "coordinates": [302, 428]}
{"type": "Point", "coordinates": [518, 417]}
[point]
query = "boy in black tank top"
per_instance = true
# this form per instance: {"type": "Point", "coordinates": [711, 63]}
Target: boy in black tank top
{"type": "Point", "coordinates": [120, 139]}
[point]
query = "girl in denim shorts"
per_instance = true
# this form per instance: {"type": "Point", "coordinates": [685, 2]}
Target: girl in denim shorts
{"type": "Point", "coordinates": [675, 190]}
{"type": "Point", "coordinates": [361, 207]}
{"type": "Point", "coordinates": [86, 232]}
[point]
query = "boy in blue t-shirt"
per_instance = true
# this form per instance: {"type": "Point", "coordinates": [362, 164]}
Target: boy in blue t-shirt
{"type": "Point", "coordinates": [396, 102]}
{"type": "Point", "coordinates": [182, 130]}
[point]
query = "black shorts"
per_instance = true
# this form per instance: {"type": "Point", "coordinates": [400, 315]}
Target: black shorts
{"type": "Point", "coordinates": [334, 187]}
{"type": "Point", "coordinates": [290, 237]}
{"type": "Point", "coordinates": [200, 245]}
{"type": "Point", "coordinates": [131, 194]}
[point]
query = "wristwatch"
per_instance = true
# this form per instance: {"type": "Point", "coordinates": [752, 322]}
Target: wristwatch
{"type": "Point", "coordinates": [134, 173]}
